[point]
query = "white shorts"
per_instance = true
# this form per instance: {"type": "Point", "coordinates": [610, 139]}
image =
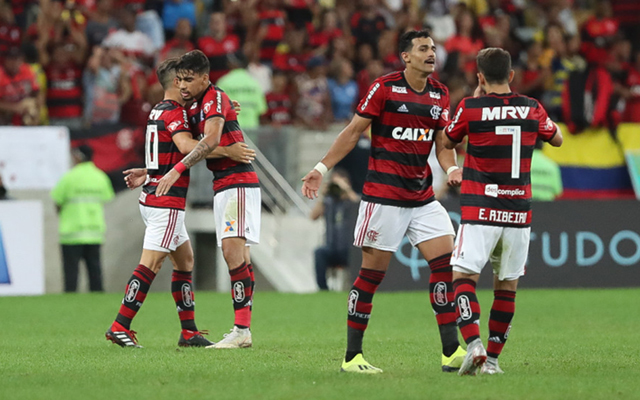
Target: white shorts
{"type": "Point", "coordinates": [237, 214]}
{"type": "Point", "coordinates": [506, 248]}
{"type": "Point", "coordinates": [383, 227]}
{"type": "Point", "coordinates": [165, 228]}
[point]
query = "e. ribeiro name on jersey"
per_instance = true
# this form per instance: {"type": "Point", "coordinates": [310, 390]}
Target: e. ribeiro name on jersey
{"type": "Point", "coordinates": [166, 119]}
{"type": "Point", "coordinates": [502, 130]}
{"type": "Point", "coordinates": [403, 125]}
{"type": "Point", "coordinates": [227, 173]}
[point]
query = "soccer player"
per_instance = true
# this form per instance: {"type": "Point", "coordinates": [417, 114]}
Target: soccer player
{"type": "Point", "coordinates": [407, 111]}
{"type": "Point", "coordinates": [236, 202]}
{"type": "Point", "coordinates": [496, 201]}
{"type": "Point", "coordinates": [168, 138]}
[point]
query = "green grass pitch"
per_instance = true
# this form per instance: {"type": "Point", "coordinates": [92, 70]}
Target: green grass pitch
{"type": "Point", "coordinates": [564, 344]}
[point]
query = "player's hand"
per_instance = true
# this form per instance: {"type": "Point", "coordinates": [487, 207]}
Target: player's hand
{"type": "Point", "coordinates": [240, 152]}
{"type": "Point", "coordinates": [311, 184]}
{"type": "Point", "coordinates": [166, 182]}
{"type": "Point", "coordinates": [135, 177]}
{"type": "Point", "coordinates": [455, 178]}
{"type": "Point", "coordinates": [236, 106]}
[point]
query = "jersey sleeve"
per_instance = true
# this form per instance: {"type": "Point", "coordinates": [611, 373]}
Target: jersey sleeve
{"type": "Point", "coordinates": [546, 127]}
{"type": "Point", "coordinates": [372, 105]}
{"type": "Point", "coordinates": [458, 127]}
{"type": "Point", "coordinates": [444, 115]}
{"type": "Point", "coordinates": [177, 121]}
{"type": "Point", "coordinates": [213, 105]}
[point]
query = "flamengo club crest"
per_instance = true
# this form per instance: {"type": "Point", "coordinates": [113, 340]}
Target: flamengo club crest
{"type": "Point", "coordinates": [372, 235]}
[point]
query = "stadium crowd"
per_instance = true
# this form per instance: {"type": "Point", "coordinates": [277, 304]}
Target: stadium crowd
{"type": "Point", "coordinates": [83, 63]}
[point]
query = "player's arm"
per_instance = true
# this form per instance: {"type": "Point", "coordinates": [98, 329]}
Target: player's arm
{"type": "Point", "coordinates": [557, 139]}
{"type": "Point", "coordinates": [344, 143]}
{"type": "Point", "coordinates": [212, 132]}
{"type": "Point", "coordinates": [239, 152]}
{"type": "Point", "coordinates": [447, 159]}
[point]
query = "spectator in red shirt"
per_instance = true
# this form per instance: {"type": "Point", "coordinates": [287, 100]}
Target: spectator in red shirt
{"type": "Point", "coordinates": [10, 33]}
{"type": "Point", "coordinates": [598, 33]}
{"type": "Point", "coordinates": [218, 45]}
{"type": "Point", "coordinates": [530, 75]}
{"type": "Point", "coordinates": [270, 30]}
{"type": "Point", "coordinates": [18, 91]}
{"type": "Point", "coordinates": [181, 39]}
{"type": "Point", "coordinates": [278, 102]}
{"type": "Point", "coordinates": [64, 77]}
{"type": "Point", "coordinates": [133, 43]}
{"type": "Point", "coordinates": [291, 55]}
{"type": "Point", "coordinates": [465, 44]}
{"type": "Point", "coordinates": [322, 37]}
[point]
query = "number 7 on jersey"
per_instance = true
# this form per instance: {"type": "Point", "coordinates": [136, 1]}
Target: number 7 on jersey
{"type": "Point", "coordinates": [515, 147]}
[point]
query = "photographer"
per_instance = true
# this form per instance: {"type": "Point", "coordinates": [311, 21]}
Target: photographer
{"type": "Point", "coordinates": [337, 195]}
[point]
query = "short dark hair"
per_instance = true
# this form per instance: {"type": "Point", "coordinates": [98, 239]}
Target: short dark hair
{"type": "Point", "coordinates": [84, 152]}
{"type": "Point", "coordinates": [495, 64]}
{"type": "Point", "coordinates": [194, 61]}
{"type": "Point", "coordinates": [166, 72]}
{"type": "Point", "coordinates": [405, 43]}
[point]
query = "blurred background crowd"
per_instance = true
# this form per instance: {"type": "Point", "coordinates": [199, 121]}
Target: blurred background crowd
{"type": "Point", "coordinates": [303, 64]}
{"type": "Point", "coordinates": [83, 63]}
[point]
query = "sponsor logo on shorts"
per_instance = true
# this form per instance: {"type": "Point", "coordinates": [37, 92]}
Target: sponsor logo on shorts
{"type": "Point", "coordinates": [465, 307]}
{"type": "Point", "coordinates": [187, 295]}
{"type": "Point", "coordinates": [238, 292]}
{"type": "Point", "coordinates": [353, 299]}
{"type": "Point", "coordinates": [132, 290]}
{"type": "Point", "coordinates": [229, 225]}
{"type": "Point", "coordinates": [372, 236]}
{"type": "Point", "coordinates": [440, 294]}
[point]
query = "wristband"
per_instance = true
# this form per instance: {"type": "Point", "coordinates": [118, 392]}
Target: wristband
{"type": "Point", "coordinates": [320, 167]}
{"type": "Point", "coordinates": [180, 167]}
{"type": "Point", "coordinates": [451, 169]}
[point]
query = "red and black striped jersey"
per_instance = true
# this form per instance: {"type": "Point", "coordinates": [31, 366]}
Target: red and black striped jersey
{"type": "Point", "coordinates": [502, 130]}
{"type": "Point", "coordinates": [64, 91]}
{"type": "Point", "coordinates": [166, 119]}
{"type": "Point", "coordinates": [403, 126]}
{"type": "Point", "coordinates": [227, 173]}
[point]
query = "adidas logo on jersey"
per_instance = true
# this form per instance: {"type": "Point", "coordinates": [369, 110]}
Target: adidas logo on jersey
{"type": "Point", "coordinates": [403, 108]}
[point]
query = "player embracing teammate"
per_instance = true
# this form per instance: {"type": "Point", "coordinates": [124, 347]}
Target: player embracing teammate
{"type": "Point", "coordinates": [502, 129]}
{"type": "Point", "coordinates": [236, 202]}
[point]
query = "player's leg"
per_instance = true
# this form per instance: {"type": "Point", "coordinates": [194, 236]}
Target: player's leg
{"type": "Point", "coordinates": [374, 266]}
{"type": "Point", "coordinates": [160, 238]}
{"type": "Point", "coordinates": [502, 311]}
{"type": "Point", "coordinates": [237, 215]}
{"type": "Point", "coordinates": [431, 231]}
{"type": "Point", "coordinates": [94, 267]}
{"type": "Point", "coordinates": [184, 297]}
{"type": "Point", "coordinates": [474, 244]}
{"type": "Point", "coordinates": [509, 258]}
{"type": "Point", "coordinates": [71, 255]}
{"type": "Point", "coordinates": [379, 232]}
